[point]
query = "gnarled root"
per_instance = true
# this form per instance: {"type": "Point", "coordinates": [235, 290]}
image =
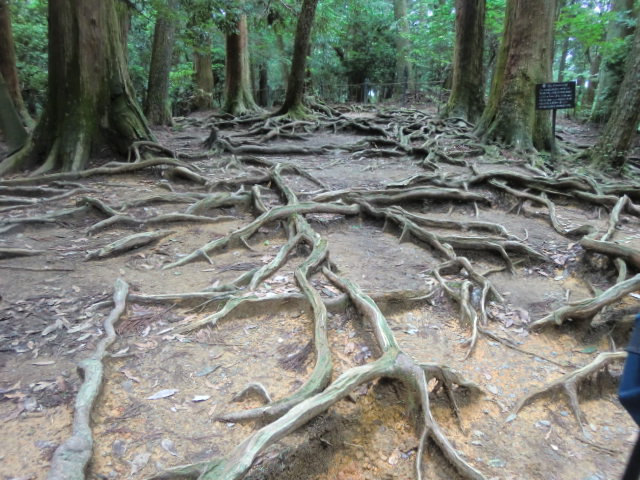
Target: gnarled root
{"type": "Point", "coordinates": [569, 384]}
{"type": "Point", "coordinates": [71, 458]}
{"type": "Point", "coordinates": [587, 309]}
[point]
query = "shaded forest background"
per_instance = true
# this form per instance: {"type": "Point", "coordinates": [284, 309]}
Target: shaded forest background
{"type": "Point", "coordinates": [361, 51]}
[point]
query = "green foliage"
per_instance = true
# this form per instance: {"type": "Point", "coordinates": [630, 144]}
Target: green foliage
{"type": "Point", "coordinates": [354, 41]}
{"type": "Point", "coordinates": [432, 37]}
{"type": "Point", "coordinates": [583, 23]}
{"type": "Point", "coordinates": [354, 44]}
{"type": "Point", "coordinates": [29, 24]}
{"type": "Point", "coordinates": [139, 42]}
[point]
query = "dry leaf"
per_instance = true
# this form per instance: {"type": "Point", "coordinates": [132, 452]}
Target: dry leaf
{"type": "Point", "coordinates": [163, 394]}
{"type": "Point", "coordinates": [394, 457]}
{"type": "Point", "coordinates": [169, 446]}
{"type": "Point", "coordinates": [130, 376]}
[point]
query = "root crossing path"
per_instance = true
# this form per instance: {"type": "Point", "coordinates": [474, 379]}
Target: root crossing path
{"type": "Point", "coordinates": [361, 295]}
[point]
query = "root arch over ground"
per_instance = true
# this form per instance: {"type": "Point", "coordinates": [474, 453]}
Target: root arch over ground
{"type": "Point", "coordinates": [478, 222]}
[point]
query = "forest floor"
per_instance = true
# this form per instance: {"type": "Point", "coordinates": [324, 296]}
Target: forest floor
{"type": "Point", "coordinates": [402, 200]}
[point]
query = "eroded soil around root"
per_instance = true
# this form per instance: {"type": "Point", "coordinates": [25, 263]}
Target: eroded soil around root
{"type": "Point", "coordinates": [369, 295]}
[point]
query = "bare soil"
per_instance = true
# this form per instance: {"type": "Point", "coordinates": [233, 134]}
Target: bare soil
{"type": "Point", "coordinates": [53, 305]}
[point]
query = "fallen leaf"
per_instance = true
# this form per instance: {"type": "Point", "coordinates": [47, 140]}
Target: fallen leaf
{"type": "Point", "coordinates": [139, 462]}
{"type": "Point", "coordinates": [394, 457]}
{"type": "Point", "coordinates": [588, 350]}
{"type": "Point", "coordinates": [130, 376]}
{"type": "Point", "coordinates": [58, 324]}
{"type": "Point", "coordinates": [207, 370]}
{"type": "Point", "coordinates": [169, 392]}
{"type": "Point", "coordinates": [146, 345]}
{"type": "Point", "coordinates": [169, 446]}
{"type": "Point", "coordinates": [200, 398]}
{"type": "Point", "coordinates": [15, 386]}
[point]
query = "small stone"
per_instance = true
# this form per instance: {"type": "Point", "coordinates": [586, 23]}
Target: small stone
{"type": "Point", "coordinates": [119, 448]}
{"type": "Point", "coordinates": [127, 385]}
{"type": "Point", "coordinates": [30, 404]}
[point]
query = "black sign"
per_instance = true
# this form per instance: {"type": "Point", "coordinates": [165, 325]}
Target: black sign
{"type": "Point", "coordinates": [551, 96]}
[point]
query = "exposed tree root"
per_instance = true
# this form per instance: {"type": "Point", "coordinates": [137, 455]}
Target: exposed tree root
{"type": "Point", "coordinates": [277, 213]}
{"type": "Point", "coordinates": [7, 252]}
{"type": "Point", "coordinates": [627, 254]}
{"type": "Point", "coordinates": [110, 169]}
{"type": "Point", "coordinates": [393, 363]}
{"type": "Point", "coordinates": [127, 243]}
{"type": "Point", "coordinates": [72, 456]}
{"type": "Point", "coordinates": [249, 182]}
{"type": "Point", "coordinates": [590, 307]}
{"type": "Point", "coordinates": [569, 384]}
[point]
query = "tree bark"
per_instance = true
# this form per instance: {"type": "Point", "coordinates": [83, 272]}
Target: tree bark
{"type": "Point", "coordinates": [612, 68]}
{"type": "Point", "coordinates": [404, 69]}
{"type": "Point", "coordinates": [203, 65]}
{"type": "Point", "coordinates": [282, 64]}
{"type": "Point", "coordinates": [523, 61]}
{"type": "Point", "coordinates": [263, 85]}
{"type": "Point", "coordinates": [8, 63]}
{"type": "Point", "coordinates": [562, 62]}
{"type": "Point", "coordinates": [90, 100]}
{"type": "Point", "coordinates": [238, 93]}
{"type": "Point", "coordinates": [590, 93]}
{"type": "Point", "coordinates": [157, 105]}
{"type": "Point", "coordinates": [467, 91]}
{"type": "Point", "coordinates": [14, 133]}
{"type": "Point", "coordinates": [203, 76]}
{"type": "Point", "coordinates": [615, 140]}
{"type": "Point", "coordinates": [294, 100]}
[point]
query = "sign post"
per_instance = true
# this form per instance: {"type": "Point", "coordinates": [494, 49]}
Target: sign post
{"type": "Point", "coordinates": [553, 96]}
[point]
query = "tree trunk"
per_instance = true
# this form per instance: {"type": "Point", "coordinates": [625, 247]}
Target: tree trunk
{"type": "Point", "coordinates": [263, 85]}
{"type": "Point", "coordinates": [203, 76]}
{"type": "Point", "coordinates": [467, 90]}
{"type": "Point", "coordinates": [90, 100]}
{"type": "Point", "coordinates": [612, 68]}
{"type": "Point", "coordinates": [282, 64]}
{"type": "Point", "coordinates": [523, 61]}
{"type": "Point", "coordinates": [14, 133]}
{"type": "Point", "coordinates": [562, 62]}
{"type": "Point", "coordinates": [157, 105]}
{"type": "Point", "coordinates": [202, 63]}
{"type": "Point", "coordinates": [293, 104]}
{"type": "Point", "coordinates": [404, 69]}
{"type": "Point", "coordinates": [590, 92]}
{"type": "Point", "coordinates": [238, 94]}
{"type": "Point", "coordinates": [8, 63]}
{"type": "Point", "coordinates": [615, 140]}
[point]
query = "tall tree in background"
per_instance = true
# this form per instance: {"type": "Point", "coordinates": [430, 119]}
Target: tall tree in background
{"type": "Point", "coordinates": [524, 60]}
{"type": "Point", "coordinates": [199, 31]}
{"type": "Point", "coordinates": [90, 100]}
{"type": "Point", "coordinates": [275, 21]}
{"type": "Point", "coordinates": [404, 69]}
{"type": "Point", "coordinates": [8, 62]}
{"type": "Point", "coordinates": [238, 95]}
{"type": "Point", "coordinates": [10, 124]}
{"type": "Point", "coordinates": [612, 67]}
{"type": "Point", "coordinates": [467, 91]}
{"type": "Point", "coordinates": [294, 100]}
{"type": "Point", "coordinates": [615, 140]}
{"type": "Point", "coordinates": [157, 106]}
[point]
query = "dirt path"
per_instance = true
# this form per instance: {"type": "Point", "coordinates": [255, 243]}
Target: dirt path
{"type": "Point", "coordinates": [449, 252]}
